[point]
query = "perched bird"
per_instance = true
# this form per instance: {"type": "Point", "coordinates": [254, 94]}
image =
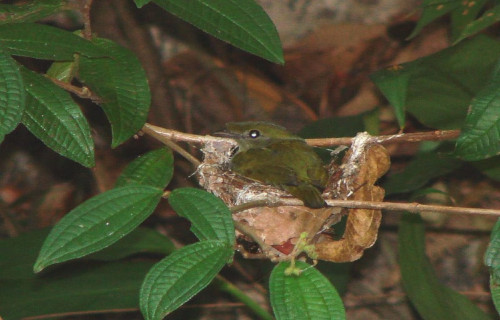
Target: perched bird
{"type": "Point", "coordinates": [270, 154]}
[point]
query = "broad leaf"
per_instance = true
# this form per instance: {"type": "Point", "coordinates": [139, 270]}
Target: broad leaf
{"type": "Point", "coordinates": [492, 255]}
{"type": "Point", "coordinates": [121, 83]}
{"type": "Point", "coordinates": [54, 118]}
{"type": "Point", "coordinates": [141, 3]}
{"type": "Point", "coordinates": [492, 260]}
{"type": "Point", "coordinates": [45, 42]}
{"type": "Point", "coordinates": [424, 167]}
{"type": "Point", "coordinates": [97, 223]}
{"type": "Point", "coordinates": [30, 11]}
{"type": "Point", "coordinates": [306, 296]}
{"type": "Point", "coordinates": [487, 19]}
{"type": "Point", "coordinates": [87, 288]}
{"type": "Point", "coordinates": [242, 23]}
{"type": "Point", "coordinates": [20, 253]}
{"type": "Point", "coordinates": [495, 292]}
{"type": "Point", "coordinates": [489, 167]}
{"type": "Point", "coordinates": [441, 86]}
{"type": "Point", "coordinates": [480, 136]}
{"type": "Point", "coordinates": [210, 217]}
{"type": "Point", "coordinates": [433, 9]}
{"type": "Point", "coordinates": [347, 126]}
{"type": "Point", "coordinates": [63, 71]}
{"type": "Point", "coordinates": [12, 94]}
{"type": "Point", "coordinates": [431, 299]}
{"type": "Point", "coordinates": [140, 240]}
{"type": "Point", "coordinates": [177, 278]}
{"type": "Point", "coordinates": [393, 83]}
{"type": "Point", "coordinates": [154, 168]}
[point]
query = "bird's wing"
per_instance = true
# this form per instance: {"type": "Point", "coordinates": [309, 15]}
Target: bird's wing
{"type": "Point", "coordinates": [260, 164]}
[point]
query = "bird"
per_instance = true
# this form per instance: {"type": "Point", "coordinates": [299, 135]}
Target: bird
{"type": "Point", "coordinates": [270, 154]}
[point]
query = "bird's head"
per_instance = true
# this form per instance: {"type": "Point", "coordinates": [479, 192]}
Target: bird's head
{"type": "Point", "coordinates": [255, 134]}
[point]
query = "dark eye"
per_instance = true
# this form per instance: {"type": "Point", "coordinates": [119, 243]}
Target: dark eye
{"type": "Point", "coordinates": [254, 133]}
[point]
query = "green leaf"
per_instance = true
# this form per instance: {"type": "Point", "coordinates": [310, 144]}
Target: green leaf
{"type": "Point", "coordinates": [495, 292]}
{"type": "Point", "coordinates": [424, 167]}
{"type": "Point", "coordinates": [337, 127]}
{"type": "Point", "coordinates": [31, 11]}
{"type": "Point", "coordinates": [431, 299]}
{"type": "Point", "coordinates": [12, 94]}
{"type": "Point", "coordinates": [45, 42]}
{"type": "Point", "coordinates": [97, 223]}
{"type": "Point", "coordinates": [140, 240]}
{"type": "Point", "coordinates": [210, 217]}
{"type": "Point", "coordinates": [253, 305]}
{"type": "Point", "coordinates": [86, 288]}
{"type": "Point", "coordinates": [433, 9]}
{"type": "Point", "coordinates": [463, 15]}
{"type": "Point", "coordinates": [307, 296]}
{"type": "Point", "coordinates": [487, 19]}
{"type": "Point", "coordinates": [492, 255]}
{"type": "Point", "coordinates": [20, 253]}
{"type": "Point", "coordinates": [63, 71]}
{"type": "Point", "coordinates": [242, 23]}
{"type": "Point", "coordinates": [393, 83]}
{"type": "Point", "coordinates": [184, 273]}
{"type": "Point", "coordinates": [339, 274]}
{"type": "Point", "coordinates": [53, 117]}
{"type": "Point", "coordinates": [121, 83]}
{"type": "Point", "coordinates": [154, 168]}
{"type": "Point", "coordinates": [480, 136]}
{"type": "Point", "coordinates": [141, 3]}
{"type": "Point", "coordinates": [441, 88]}
{"type": "Point", "coordinates": [489, 167]}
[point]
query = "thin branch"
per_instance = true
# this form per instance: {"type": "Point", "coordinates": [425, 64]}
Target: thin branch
{"type": "Point", "coordinates": [413, 207]}
{"type": "Point", "coordinates": [248, 231]}
{"type": "Point", "coordinates": [394, 138]}
{"type": "Point", "coordinates": [159, 135]}
{"type": "Point", "coordinates": [87, 31]}
{"type": "Point", "coordinates": [82, 92]}
{"type": "Point", "coordinates": [324, 142]}
{"type": "Point", "coordinates": [163, 134]}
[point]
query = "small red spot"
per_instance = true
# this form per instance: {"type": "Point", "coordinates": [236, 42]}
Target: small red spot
{"type": "Point", "coordinates": [285, 247]}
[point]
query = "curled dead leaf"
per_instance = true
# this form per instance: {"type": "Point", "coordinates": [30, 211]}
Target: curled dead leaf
{"type": "Point", "coordinates": [362, 224]}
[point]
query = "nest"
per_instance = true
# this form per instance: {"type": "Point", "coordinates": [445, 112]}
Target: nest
{"type": "Point", "coordinates": [280, 226]}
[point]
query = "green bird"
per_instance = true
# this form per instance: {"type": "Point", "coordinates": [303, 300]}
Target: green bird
{"type": "Point", "coordinates": [270, 154]}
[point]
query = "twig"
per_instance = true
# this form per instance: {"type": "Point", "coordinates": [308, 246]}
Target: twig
{"type": "Point", "coordinates": [413, 207]}
{"type": "Point", "coordinates": [87, 31]}
{"type": "Point", "coordinates": [165, 139]}
{"type": "Point", "coordinates": [163, 134]}
{"type": "Point", "coordinates": [402, 137]}
{"type": "Point", "coordinates": [82, 92]}
{"type": "Point", "coordinates": [249, 205]}
{"type": "Point", "coordinates": [248, 231]}
{"type": "Point", "coordinates": [323, 142]}
{"type": "Point", "coordinates": [228, 287]}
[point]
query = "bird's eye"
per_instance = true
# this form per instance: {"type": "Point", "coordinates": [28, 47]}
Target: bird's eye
{"type": "Point", "coordinates": [254, 133]}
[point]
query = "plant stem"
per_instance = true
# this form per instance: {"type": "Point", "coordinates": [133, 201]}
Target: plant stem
{"type": "Point", "coordinates": [231, 289]}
